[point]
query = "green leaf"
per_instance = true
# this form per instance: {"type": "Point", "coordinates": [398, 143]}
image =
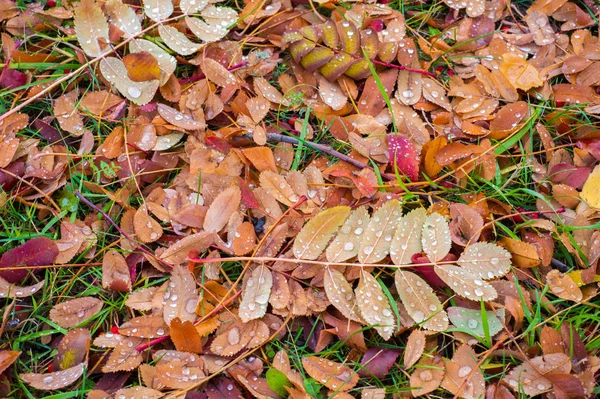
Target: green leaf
{"type": "Point", "coordinates": [277, 381]}
{"type": "Point", "coordinates": [312, 387]}
{"type": "Point", "coordinates": [472, 321]}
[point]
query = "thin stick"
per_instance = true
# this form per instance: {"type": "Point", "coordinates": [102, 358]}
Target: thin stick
{"type": "Point", "coordinates": [281, 138]}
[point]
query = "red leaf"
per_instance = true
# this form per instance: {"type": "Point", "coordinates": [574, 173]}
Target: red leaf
{"type": "Point", "coordinates": [377, 362]}
{"type": "Point", "coordinates": [35, 252]}
{"type": "Point", "coordinates": [566, 386]}
{"type": "Point", "coordinates": [11, 78]}
{"type": "Point", "coordinates": [571, 175]}
{"type": "Point", "coordinates": [7, 175]}
{"type": "Point", "coordinates": [222, 388]}
{"type": "Point", "coordinates": [404, 156]}
{"type": "Point", "coordinates": [427, 272]}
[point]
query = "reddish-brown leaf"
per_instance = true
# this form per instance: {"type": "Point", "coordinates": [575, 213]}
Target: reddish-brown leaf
{"type": "Point", "coordinates": [35, 252]}
{"type": "Point", "coordinates": [185, 337]}
{"type": "Point", "coordinates": [333, 375]}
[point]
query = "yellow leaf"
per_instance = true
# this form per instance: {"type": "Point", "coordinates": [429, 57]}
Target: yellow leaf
{"type": "Point", "coordinates": [591, 189]}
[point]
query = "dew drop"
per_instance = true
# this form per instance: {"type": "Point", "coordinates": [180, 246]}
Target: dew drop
{"type": "Point", "coordinates": [472, 323]}
{"type": "Point", "coordinates": [134, 92]}
{"type": "Point", "coordinates": [464, 371]}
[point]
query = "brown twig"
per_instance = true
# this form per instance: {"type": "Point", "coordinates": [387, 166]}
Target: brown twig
{"type": "Point", "coordinates": [281, 138]}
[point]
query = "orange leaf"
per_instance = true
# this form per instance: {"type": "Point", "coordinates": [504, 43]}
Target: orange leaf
{"type": "Point", "coordinates": [261, 157]}
{"type": "Point", "coordinates": [331, 374]}
{"type": "Point", "coordinates": [185, 336]}
{"type": "Point", "coordinates": [141, 66]}
{"type": "Point", "coordinates": [7, 358]}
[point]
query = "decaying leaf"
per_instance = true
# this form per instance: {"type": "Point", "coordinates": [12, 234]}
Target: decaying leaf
{"type": "Point", "coordinates": [255, 296]}
{"type": "Point", "coordinates": [55, 380]}
{"type": "Point", "coordinates": [75, 311]}
{"type": "Point", "coordinates": [563, 286]}
{"type": "Point", "coordinates": [376, 240]}
{"type": "Point", "coordinates": [181, 296]}
{"type": "Point", "coordinates": [222, 208]}
{"type": "Point", "coordinates": [463, 377]}
{"type": "Point", "coordinates": [374, 305]}
{"type": "Point", "coordinates": [115, 272]}
{"type": "Point", "coordinates": [91, 28]}
{"type": "Point", "coordinates": [333, 375]}
{"type": "Point", "coordinates": [340, 294]}
{"type": "Point", "coordinates": [414, 347]}
{"type": "Point", "coordinates": [428, 376]}
{"type": "Point", "coordinates": [435, 238]}
{"type": "Point", "coordinates": [8, 290]}
{"type": "Point", "coordinates": [529, 376]}
{"type": "Point", "coordinates": [420, 301]}
{"type": "Point", "coordinates": [314, 236]}
{"type": "Point", "coordinates": [465, 284]}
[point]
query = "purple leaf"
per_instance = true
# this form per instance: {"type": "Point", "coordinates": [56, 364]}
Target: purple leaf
{"type": "Point", "coordinates": [574, 176]}
{"type": "Point", "coordinates": [377, 362]}
{"type": "Point", "coordinates": [11, 78]}
{"type": "Point", "coordinates": [112, 382]}
{"type": "Point", "coordinates": [404, 156]}
{"type": "Point", "coordinates": [222, 388]}
{"type": "Point", "coordinates": [7, 175]}
{"type": "Point", "coordinates": [49, 132]}
{"type": "Point", "coordinates": [35, 252]}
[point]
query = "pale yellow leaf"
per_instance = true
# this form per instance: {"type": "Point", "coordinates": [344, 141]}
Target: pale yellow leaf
{"type": "Point", "coordinates": [177, 41]}
{"type": "Point", "coordinates": [91, 27]}
{"type": "Point", "coordinates": [340, 294]}
{"type": "Point", "coordinates": [465, 284]}
{"type": "Point", "coordinates": [315, 235]}
{"type": "Point", "coordinates": [221, 209]}
{"type": "Point", "coordinates": [436, 239]}
{"type": "Point", "coordinates": [374, 305]}
{"type": "Point", "coordinates": [255, 296]}
{"type": "Point", "coordinates": [378, 236]}
{"type": "Point", "coordinates": [407, 239]}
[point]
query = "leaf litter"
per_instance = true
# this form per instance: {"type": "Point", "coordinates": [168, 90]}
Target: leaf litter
{"type": "Point", "coordinates": [236, 177]}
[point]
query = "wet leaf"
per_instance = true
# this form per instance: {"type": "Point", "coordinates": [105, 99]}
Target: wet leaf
{"type": "Point", "coordinates": [428, 376]}
{"type": "Point", "coordinates": [529, 377]}
{"type": "Point", "coordinates": [407, 239]}
{"type": "Point", "coordinates": [146, 228]}
{"type": "Point", "coordinates": [590, 192]}
{"type": "Point", "coordinates": [340, 294]}
{"type": "Point", "coordinates": [181, 297]}
{"type": "Point", "coordinates": [115, 72]}
{"type": "Point", "coordinates": [404, 156]}
{"type": "Point", "coordinates": [523, 253]}
{"type": "Point", "coordinates": [75, 311]}
{"type": "Point", "coordinates": [55, 380]}
{"type": "Point", "coordinates": [123, 17]}
{"type": "Point", "coordinates": [333, 375]}
{"type": "Point", "coordinates": [414, 347]}
{"type": "Point", "coordinates": [471, 320]}
{"type": "Point", "coordinates": [238, 336]}
{"type": "Point", "coordinates": [376, 240]}
{"type": "Point", "coordinates": [435, 238]}
{"type": "Point", "coordinates": [144, 327]}
{"type": "Point", "coordinates": [255, 296]}
{"type": "Point", "coordinates": [347, 241]}
{"type": "Point", "coordinates": [158, 10]}
{"type": "Point", "coordinates": [563, 286]}
{"type": "Point", "coordinates": [177, 253]}
{"type": "Point", "coordinates": [115, 272]}
{"type": "Point", "coordinates": [374, 305]}
{"type": "Point", "coordinates": [485, 260]}
{"type": "Point", "coordinates": [224, 205]}
{"type": "Point", "coordinates": [91, 27]}
{"type": "Point", "coordinates": [314, 236]}
{"type": "Point", "coordinates": [73, 349]}
{"type": "Point", "coordinates": [420, 301]}
{"type": "Point", "coordinates": [465, 284]}
{"type": "Point", "coordinates": [463, 377]}
{"type": "Point", "coordinates": [8, 290]}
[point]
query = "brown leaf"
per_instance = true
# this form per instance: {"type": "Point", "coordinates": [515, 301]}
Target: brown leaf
{"type": "Point", "coordinates": [75, 311]}
{"type": "Point", "coordinates": [115, 272]}
{"type": "Point", "coordinates": [566, 386]}
{"type": "Point", "coordinates": [177, 253]}
{"type": "Point", "coordinates": [124, 356]}
{"type": "Point", "coordinates": [427, 377]}
{"type": "Point", "coordinates": [261, 157]}
{"type": "Point", "coordinates": [376, 241]}
{"type": "Point", "coordinates": [333, 375]}
{"type": "Point", "coordinates": [66, 113]}
{"type": "Point", "coordinates": [414, 348]}
{"type": "Point", "coordinates": [181, 297]}
{"type": "Point", "coordinates": [216, 72]}
{"type": "Point", "coordinates": [221, 209]}
{"type": "Point", "coordinates": [523, 254]}
{"type": "Point", "coordinates": [530, 377]}
{"type": "Point", "coordinates": [91, 27]}
{"type": "Point", "coordinates": [55, 380]}
{"type": "Point", "coordinates": [466, 224]}
{"type": "Point", "coordinates": [73, 349]}
{"type": "Point", "coordinates": [177, 375]}
{"type": "Point", "coordinates": [238, 336]}
{"type": "Point", "coordinates": [114, 70]}
{"type": "Point", "coordinates": [563, 286]}
{"type": "Point", "coordinates": [141, 300]}
{"type": "Point", "coordinates": [244, 240]}
{"type": "Point", "coordinates": [551, 341]}
{"type": "Point", "coordinates": [138, 392]}
{"type": "Point", "coordinates": [463, 377]}
{"type": "Point", "coordinates": [99, 102]}
{"type": "Point", "coordinates": [144, 327]}
{"type": "Point", "coordinates": [8, 290]}
{"type": "Point", "coordinates": [255, 295]}
{"type": "Point", "coordinates": [7, 358]}
{"type": "Point", "coordinates": [276, 185]}
{"type": "Point", "coordinates": [374, 305]}
{"type": "Point", "coordinates": [141, 66]}
{"type": "Point", "coordinates": [435, 238]}
{"type": "Point", "coordinates": [185, 337]}
{"type": "Point", "coordinates": [312, 240]}
{"type": "Point", "coordinates": [146, 228]}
